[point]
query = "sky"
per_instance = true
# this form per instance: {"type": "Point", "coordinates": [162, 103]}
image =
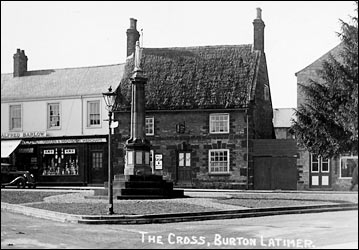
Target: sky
{"type": "Point", "coordinates": [92, 33]}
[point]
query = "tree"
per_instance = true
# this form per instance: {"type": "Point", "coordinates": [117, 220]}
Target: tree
{"type": "Point", "coordinates": [327, 124]}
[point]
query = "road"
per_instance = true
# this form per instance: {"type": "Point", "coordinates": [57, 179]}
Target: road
{"type": "Point", "coordinates": [319, 230]}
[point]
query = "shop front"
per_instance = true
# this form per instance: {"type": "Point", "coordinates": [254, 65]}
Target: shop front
{"type": "Point", "coordinates": [65, 161]}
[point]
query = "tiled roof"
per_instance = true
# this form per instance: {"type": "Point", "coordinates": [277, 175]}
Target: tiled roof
{"type": "Point", "coordinates": [195, 77]}
{"type": "Point", "coordinates": [55, 83]}
{"type": "Point", "coordinates": [317, 64]}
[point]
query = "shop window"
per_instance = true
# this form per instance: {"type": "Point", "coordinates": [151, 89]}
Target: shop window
{"type": "Point", "coordinates": [219, 123]}
{"type": "Point", "coordinates": [54, 115]}
{"type": "Point", "coordinates": [15, 117]}
{"type": "Point", "coordinates": [60, 161]}
{"type": "Point", "coordinates": [93, 113]}
{"type": "Point", "coordinates": [219, 161]}
{"type": "Point", "coordinates": [150, 126]}
{"type": "Point", "coordinates": [347, 165]}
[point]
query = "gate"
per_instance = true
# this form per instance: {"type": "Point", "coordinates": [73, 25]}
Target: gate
{"type": "Point", "coordinates": [275, 164]}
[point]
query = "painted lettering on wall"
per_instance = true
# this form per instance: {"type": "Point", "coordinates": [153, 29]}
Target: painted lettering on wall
{"type": "Point", "coordinates": [23, 134]}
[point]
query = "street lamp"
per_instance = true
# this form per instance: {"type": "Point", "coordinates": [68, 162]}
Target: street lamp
{"type": "Point", "coordinates": [110, 98]}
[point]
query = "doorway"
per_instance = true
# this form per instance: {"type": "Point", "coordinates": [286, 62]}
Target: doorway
{"type": "Point", "coordinates": [319, 172]}
{"type": "Point", "coordinates": [97, 169]}
{"type": "Point", "coordinates": [184, 169]}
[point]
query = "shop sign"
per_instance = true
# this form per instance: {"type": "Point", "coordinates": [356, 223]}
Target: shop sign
{"type": "Point", "coordinates": [49, 152]}
{"type": "Point", "coordinates": [23, 134]}
{"type": "Point", "coordinates": [64, 141]}
{"type": "Point", "coordinates": [26, 150]}
{"type": "Point", "coordinates": [70, 151]}
{"type": "Point", "coordinates": [158, 161]}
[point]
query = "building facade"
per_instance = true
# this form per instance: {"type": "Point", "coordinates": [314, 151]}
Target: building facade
{"type": "Point", "coordinates": [204, 106]}
{"type": "Point", "coordinates": [317, 172]}
{"type": "Point", "coordinates": [53, 121]}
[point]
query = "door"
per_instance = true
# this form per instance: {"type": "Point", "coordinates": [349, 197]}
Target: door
{"type": "Point", "coordinates": [97, 169]}
{"type": "Point", "coordinates": [272, 173]}
{"type": "Point", "coordinates": [184, 173]}
{"type": "Point", "coordinates": [319, 172]}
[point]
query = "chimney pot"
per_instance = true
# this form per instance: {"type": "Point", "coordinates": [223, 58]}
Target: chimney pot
{"type": "Point", "coordinates": [133, 23]}
{"type": "Point", "coordinates": [132, 36]}
{"type": "Point", "coordinates": [259, 13]}
{"type": "Point", "coordinates": [258, 43]}
{"type": "Point", "coordinates": [20, 63]}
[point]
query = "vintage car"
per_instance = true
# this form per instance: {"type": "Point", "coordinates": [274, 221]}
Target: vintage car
{"type": "Point", "coordinates": [10, 176]}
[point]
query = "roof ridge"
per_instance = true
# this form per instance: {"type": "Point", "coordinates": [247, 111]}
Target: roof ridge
{"type": "Point", "coordinates": [202, 46]}
{"type": "Point", "coordinates": [81, 67]}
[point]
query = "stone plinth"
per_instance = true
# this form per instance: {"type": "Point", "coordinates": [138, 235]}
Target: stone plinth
{"type": "Point", "coordinates": [142, 187]}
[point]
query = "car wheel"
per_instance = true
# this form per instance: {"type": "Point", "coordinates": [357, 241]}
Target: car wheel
{"type": "Point", "coordinates": [21, 183]}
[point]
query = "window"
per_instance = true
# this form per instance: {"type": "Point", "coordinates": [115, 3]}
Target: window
{"type": "Point", "coordinates": [54, 115]}
{"type": "Point", "coordinates": [97, 160]}
{"type": "Point", "coordinates": [266, 92]}
{"type": "Point", "coordinates": [93, 113]}
{"type": "Point", "coordinates": [324, 165]}
{"type": "Point", "coordinates": [319, 162]}
{"type": "Point", "coordinates": [219, 123]}
{"type": "Point", "coordinates": [219, 161]}
{"type": "Point", "coordinates": [15, 117]}
{"type": "Point", "coordinates": [347, 165]}
{"type": "Point", "coordinates": [150, 126]}
{"type": "Point", "coordinates": [60, 161]}
{"type": "Point", "coordinates": [184, 159]}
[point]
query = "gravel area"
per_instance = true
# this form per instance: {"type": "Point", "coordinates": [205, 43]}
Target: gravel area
{"type": "Point", "coordinates": [76, 203]}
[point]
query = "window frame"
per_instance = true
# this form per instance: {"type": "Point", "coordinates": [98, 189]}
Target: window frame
{"type": "Point", "coordinates": [212, 125]}
{"type": "Point", "coordinates": [89, 125]}
{"type": "Point", "coordinates": [327, 160]}
{"type": "Point", "coordinates": [152, 118]}
{"type": "Point", "coordinates": [48, 115]}
{"type": "Point", "coordinates": [186, 160]}
{"type": "Point", "coordinates": [311, 163]}
{"type": "Point", "coordinates": [228, 161]}
{"type": "Point", "coordinates": [340, 166]}
{"type": "Point", "coordinates": [11, 127]}
{"type": "Point", "coordinates": [266, 92]}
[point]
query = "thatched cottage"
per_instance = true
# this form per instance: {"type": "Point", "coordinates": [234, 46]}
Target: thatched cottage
{"type": "Point", "coordinates": [204, 105]}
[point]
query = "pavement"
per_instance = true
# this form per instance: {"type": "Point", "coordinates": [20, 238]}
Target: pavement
{"type": "Point", "coordinates": [225, 212]}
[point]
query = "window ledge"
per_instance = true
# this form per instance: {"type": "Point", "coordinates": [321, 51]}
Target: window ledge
{"type": "Point", "coordinates": [221, 173]}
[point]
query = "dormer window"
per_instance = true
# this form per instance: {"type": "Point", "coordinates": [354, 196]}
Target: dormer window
{"type": "Point", "coordinates": [266, 93]}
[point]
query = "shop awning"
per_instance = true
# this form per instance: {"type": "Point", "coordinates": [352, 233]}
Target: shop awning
{"type": "Point", "coordinates": [7, 147]}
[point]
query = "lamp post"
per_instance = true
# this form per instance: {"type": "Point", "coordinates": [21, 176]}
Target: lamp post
{"type": "Point", "coordinates": [110, 98]}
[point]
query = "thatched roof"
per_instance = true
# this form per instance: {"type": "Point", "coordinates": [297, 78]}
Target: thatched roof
{"type": "Point", "coordinates": [194, 77]}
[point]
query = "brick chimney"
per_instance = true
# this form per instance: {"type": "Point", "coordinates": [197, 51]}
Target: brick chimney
{"type": "Point", "coordinates": [258, 43]}
{"type": "Point", "coordinates": [20, 63]}
{"type": "Point", "coordinates": [132, 37]}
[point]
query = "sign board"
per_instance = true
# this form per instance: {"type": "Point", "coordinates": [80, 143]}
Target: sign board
{"type": "Point", "coordinates": [49, 152]}
{"type": "Point", "coordinates": [23, 134]}
{"type": "Point", "coordinates": [70, 151]}
{"type": "Point", "coordinates": [158, 161]}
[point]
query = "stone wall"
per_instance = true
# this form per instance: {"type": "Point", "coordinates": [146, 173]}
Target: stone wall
{"type": "Point", "coordinates": [196, 139]}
